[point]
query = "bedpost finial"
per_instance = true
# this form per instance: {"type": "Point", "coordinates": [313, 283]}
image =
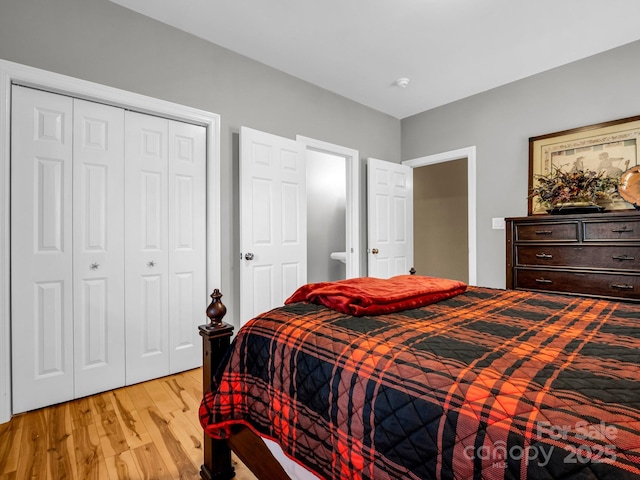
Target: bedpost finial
{"type": "Point", "coordinates": [216, 309]}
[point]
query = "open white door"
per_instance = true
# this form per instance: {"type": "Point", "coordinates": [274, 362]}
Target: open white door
{"type": "Point", "coordinates": [273, 225]}
{"type": "Point", "coordinates": [389, 218]}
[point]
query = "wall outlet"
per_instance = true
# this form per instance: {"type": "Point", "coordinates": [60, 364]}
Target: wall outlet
{"type": "Point", "coordinates": [497, 223]}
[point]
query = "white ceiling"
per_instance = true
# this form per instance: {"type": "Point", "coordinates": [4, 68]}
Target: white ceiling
{"type": "Point", "coordinates": [449, 49]}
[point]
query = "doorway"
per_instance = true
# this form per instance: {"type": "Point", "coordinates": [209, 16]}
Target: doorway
{"type": "Point", "coordinates": [352, 223]}
{"type": "Point", "coordinates": [273, 217]}
{"type": "Point", "coordinates": [326, 217]}
{"type": "Point", "coordinates": [468, 154]}
{"type": "Point", "coordinates": [440, 220]}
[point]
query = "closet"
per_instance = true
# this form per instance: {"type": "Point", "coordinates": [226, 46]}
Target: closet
{"type": "Point", "coordinates": [107, 246]}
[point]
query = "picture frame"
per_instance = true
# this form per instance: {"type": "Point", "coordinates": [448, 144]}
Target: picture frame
{"type": "Point", "coordinates": [610, 146]}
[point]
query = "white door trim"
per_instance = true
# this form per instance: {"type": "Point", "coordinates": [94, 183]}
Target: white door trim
{"type": "Point", "coordinates": [353, 197]}
{"type": "Point", "coordinates": [11, 73]}
{"type": "Point", "coordinates": [470, 154]}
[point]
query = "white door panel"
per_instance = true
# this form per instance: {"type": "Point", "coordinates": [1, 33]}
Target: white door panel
{"type": "Point", "coordinates": [273, 226]}
{"type": "Point", "coordinates": [146, 250]}
{"type": "Point", "coordinates": [187, 236]}
{"type": "Point", "coordinates": [390, 218]}
{"type": "Point", "coordinates": [108, 236]}
{"type": "Point", "coordinates": [98, 263]}
{"type": "Point", "coordinates": [41, 245]}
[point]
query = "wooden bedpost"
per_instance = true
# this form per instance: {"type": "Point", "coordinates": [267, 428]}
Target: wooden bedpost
{"type": "Point", "coordinates": [216, 338]}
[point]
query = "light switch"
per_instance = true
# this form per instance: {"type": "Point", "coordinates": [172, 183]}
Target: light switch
{"type": "Point", "coordinates": [497, 223]}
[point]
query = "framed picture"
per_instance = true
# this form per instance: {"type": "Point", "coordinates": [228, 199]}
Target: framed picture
{"type": "Point", "coordinates": [611, 147]}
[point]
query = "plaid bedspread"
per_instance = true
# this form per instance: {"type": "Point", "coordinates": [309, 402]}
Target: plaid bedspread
{"type": "Point", "coordinates": [490, 384]}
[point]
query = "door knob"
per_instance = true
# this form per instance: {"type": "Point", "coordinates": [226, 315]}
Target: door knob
{"type": "Point", "coordinates": [374, 251]}
{"type": "Point", "coordinates": [248, 256]}
{"type": "Point", "coordinates": [151, 264]}
{"type": "Point", "coordinates": [94, 266]}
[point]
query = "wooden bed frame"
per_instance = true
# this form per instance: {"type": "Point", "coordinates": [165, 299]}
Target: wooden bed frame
{"type": "Point", "coordinates": [247, 445]}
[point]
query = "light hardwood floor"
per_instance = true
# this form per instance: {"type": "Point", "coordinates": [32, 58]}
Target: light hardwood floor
{"type": "Point", "coordinates": [144, 431]}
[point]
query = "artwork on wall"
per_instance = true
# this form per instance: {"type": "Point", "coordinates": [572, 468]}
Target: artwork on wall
{"type": "Point", "coordinates": [609, 148]}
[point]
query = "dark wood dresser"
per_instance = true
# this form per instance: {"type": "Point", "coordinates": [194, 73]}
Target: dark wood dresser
{"type": "Point", "coordinates": [592, 254]}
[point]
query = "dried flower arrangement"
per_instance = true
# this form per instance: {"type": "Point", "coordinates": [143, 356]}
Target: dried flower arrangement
{"type": "Point", "coordinates": [574, 187]}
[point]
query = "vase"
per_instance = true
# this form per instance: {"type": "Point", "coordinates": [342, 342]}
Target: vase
{"type": "Point", "coordinates": [569, 208]}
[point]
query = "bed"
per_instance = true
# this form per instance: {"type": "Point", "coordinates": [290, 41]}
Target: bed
{"type": "Point", "coordinates": [479, 384]}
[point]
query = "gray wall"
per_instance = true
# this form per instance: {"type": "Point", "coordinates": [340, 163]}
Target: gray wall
{"type": "Point", "coordinates": [500, 122]}
{"type": "Point", "coordinates": [99, 41]}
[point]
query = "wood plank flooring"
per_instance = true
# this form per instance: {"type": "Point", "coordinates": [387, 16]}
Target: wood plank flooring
{"type": "Point", "coordinates": [144, 431]}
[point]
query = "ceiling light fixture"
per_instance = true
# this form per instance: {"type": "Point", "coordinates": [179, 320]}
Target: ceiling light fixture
{"type": "Point", "coordinates": [401, 82]}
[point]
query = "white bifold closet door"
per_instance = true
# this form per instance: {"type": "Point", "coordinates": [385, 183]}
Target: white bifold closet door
{"type": "Point", "coordinates": [107, 247]}
{"type": "Point", "coordinates": [165, 238]}
{"type": "Point", "coordinates": [188, 296]}
{"type": "Point", "coordinates": [66, 248]}
{"type": "Point", "coordinates": [98, 250]}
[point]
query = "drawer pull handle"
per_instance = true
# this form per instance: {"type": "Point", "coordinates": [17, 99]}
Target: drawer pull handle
{"type": "Point", "coordinates": [543, 280]}
{"type": "Point", "coordinates": [544, 232]}
{"type": "Point", "coordinates": [624, 229]}
{"type": "Point", "coordinates": [543, 255]}
{"type": "Point", "coordinates": [622, 286]}
{"type": "Point", "coordinates": [622, 257]}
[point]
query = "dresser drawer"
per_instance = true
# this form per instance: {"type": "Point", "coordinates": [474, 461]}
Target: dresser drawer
{"type": "Point", "coordinates": [612, 230]}
{"type": "Point", "coordinates": [614, 257]}
{"type": "Point", "coordinates": [547, 232]}
{"type": "Point", "coordinates": [603, 284]}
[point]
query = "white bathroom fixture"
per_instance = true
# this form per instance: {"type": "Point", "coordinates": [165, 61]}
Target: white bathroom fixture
{"type": "Point", "coordinates": [340, 256]}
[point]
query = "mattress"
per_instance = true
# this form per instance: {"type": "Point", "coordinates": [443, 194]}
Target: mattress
{"type": "Point", "coordinates": [487, 384]}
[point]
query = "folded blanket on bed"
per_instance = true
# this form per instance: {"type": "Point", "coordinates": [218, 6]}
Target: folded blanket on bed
{"type": "Point", "coordinates": [377, 296]}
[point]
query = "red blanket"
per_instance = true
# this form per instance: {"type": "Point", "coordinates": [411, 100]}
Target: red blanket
{"type": "Point", "coordinates": [377, 296]}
